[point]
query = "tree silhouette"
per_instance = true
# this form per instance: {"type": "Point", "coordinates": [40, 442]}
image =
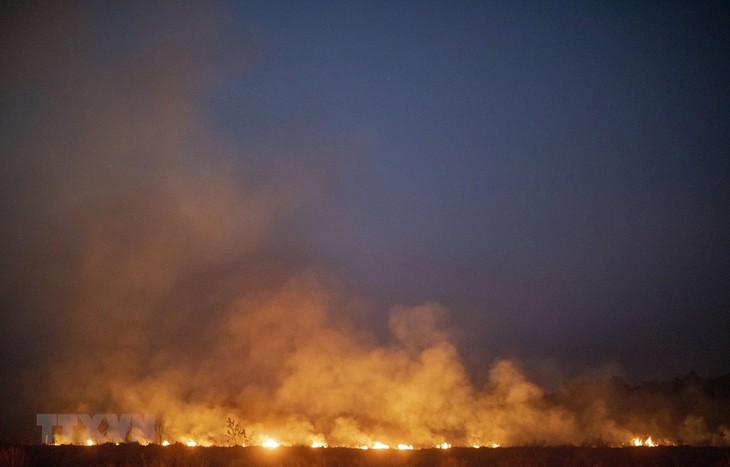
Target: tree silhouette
{"type": "Point", "coordinates": [235, 433]}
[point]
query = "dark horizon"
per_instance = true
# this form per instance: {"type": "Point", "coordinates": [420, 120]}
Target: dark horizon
{"type": "Point", "coordinates": [193, 193]}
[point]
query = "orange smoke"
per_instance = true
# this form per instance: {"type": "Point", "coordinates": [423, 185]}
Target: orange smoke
{"type": "Point", "coordinates": [177, 286]}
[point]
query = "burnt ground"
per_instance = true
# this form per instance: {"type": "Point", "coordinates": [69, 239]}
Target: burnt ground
{"type": "Point", "coordinates": [183, 456]}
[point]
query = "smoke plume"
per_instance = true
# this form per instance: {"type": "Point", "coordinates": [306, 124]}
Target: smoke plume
{"type": "Point", "coordinates": [149, 266]}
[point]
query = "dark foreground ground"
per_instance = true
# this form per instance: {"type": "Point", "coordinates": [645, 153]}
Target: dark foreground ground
{"type": "Point", "coordinates": [183, 456]}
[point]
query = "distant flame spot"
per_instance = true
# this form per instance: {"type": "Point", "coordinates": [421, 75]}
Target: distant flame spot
{"type": "Point", "coordinates": [89, 442]}
{"type": "Point", "coordinates": [648, 442]}
{"type": "Point", "coordinates": [379, 445]}
{"type": "Point", "coordinates": [405, 446]}
{"type": "Point", "coordinates": [270, 443]}
{"type": "Point", "coordinates": [443, 446]}
{"type": "Point", "coordinates": [192, 443]}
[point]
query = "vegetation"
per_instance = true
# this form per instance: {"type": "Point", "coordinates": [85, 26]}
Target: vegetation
{"type": "Point", "coordinates": [236, 433]}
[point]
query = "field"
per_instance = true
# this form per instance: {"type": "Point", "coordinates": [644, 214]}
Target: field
{"type": "Point", "coordinates": [183, 456]}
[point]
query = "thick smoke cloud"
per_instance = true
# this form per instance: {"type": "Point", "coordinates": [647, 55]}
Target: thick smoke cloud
{"type": "Point", "coordinates": [148, 267]}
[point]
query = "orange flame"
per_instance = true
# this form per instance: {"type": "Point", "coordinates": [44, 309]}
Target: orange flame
{"type": "Point", "coordinates": [648, 442]}
{"type": "Point", "coordinates": [270, 443]}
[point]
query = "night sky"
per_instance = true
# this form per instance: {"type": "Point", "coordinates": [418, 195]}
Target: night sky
{"type": "Point", "coordinates": [555, 175]}
{"type": "Point", "coordinates": [552, 176]}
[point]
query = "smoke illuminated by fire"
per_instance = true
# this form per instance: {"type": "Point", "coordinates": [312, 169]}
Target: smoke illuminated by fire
{"type": "Point", "coordinates": [181, 279]}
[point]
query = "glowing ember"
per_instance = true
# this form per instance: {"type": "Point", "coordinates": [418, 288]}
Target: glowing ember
{"type": "Point", "coordinates": [166, 443]}
{"type": "Point", "coordinates": [405, 446]}
{"type": "Point", "coordinates": [495, 445]}
{"type": "Point", "coordinates": [364, 447]}
{"type": "Point", "coordinates": [89, 442]}
{"type": "Point", "coordinates": [317, 444]}
{"type": "Point", "coordinates": [443, 446]}
{"type": "Point", "coordinates": [270, 443]}
{"type": "Point", "coordinates": [379, 445]}
{"type": "Point", "coordinates": [192, 443]}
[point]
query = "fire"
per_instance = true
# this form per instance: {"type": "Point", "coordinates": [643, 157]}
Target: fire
{"type": "Point", "coordinates": [317, 442]}
{"type": "Point", "coordinates": [270, 443]}
{"type": "Point", "coordinates": [646, 442]}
